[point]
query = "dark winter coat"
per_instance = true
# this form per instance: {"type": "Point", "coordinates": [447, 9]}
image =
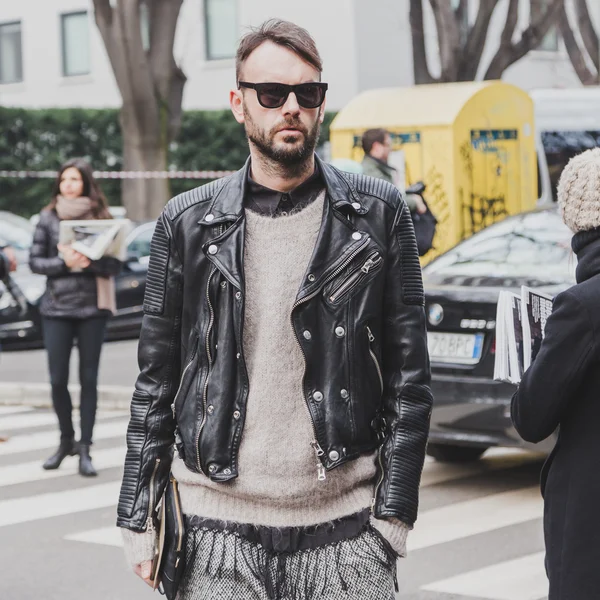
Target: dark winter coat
{"type": "Point", "coordinates": [562, 390]}
{"type": "Point", "coordinates": [67, 294]}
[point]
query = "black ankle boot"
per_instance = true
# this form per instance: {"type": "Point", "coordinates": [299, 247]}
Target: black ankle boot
{"type": "Point", "coordinates": [86, 468]}
{"type": "Point", "coordinates": [66, 448]}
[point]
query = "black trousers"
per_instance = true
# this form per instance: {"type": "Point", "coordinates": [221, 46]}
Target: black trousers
{"type": "Point", "coordinates": [59, 337]}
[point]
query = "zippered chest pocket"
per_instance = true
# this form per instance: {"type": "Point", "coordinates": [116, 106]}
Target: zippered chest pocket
{"type": "Point", "coordinates": [355, 278]}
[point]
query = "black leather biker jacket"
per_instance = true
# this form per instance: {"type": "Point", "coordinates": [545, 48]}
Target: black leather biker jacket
{"type": "Point", "coordinates": [361, 300]}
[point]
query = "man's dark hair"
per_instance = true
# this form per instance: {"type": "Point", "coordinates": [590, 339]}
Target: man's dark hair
{"type": "Point", "coordinates": [286, 34]}
{"type": "Point", "coordinates": [371, 136]}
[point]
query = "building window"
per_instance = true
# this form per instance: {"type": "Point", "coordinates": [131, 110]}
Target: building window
{"type": "Point", "coordinates": [75, 44]}
{"type": "Point", "coordinates": [220, 28]}
{"type": "Point", "coordinates": [11, 58]}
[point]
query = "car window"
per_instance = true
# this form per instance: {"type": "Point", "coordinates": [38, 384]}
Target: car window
{"type": "Point", "coordinates": [139, 241]}
{"type": "Point", "coordinates": [561, 146]}
{"type": "Point", "coordinates": [15, 231]}
{"type": "Point", "coordinates": [534, 245]}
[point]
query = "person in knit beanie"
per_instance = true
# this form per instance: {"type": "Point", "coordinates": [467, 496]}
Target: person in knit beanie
{"type": "Point", "coordinates": [283, 356]}
{"type": "Point", "coordinates": [560, 393]}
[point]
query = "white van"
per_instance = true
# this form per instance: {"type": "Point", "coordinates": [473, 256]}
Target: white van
{"type": "Point", "coordinates": [567, 122]}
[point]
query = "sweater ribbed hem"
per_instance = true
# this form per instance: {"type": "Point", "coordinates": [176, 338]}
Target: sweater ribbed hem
{"type": "Point", "coordinates": [394, 532]}
{"type": "Point", "coordinates": [139, 547]}
{"type": "Point", "coordinates": [347, 490]}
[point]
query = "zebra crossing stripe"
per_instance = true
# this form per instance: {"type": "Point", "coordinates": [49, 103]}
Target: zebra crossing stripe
{"type": "Point", "coordinates": [13, 410]}
{"type": "Point", "coordinates": [49, 439]}
{"type": "Point", "coordinates": [108, 536]}
{"type": "Point", "coordinates": [32, 471]}
{"type": "Point", "coordinates": [9, 423]}
{"type": "Point", "coordinates": [494, 460]}
{"type": "Point", "coordinates": [55, 504]}
{"type": "Point", "coordinates": [518, 579]}
{"type": "Point", "coordinates": [472, 517]}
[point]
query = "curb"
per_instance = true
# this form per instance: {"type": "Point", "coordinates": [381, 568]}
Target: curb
{"type": "Point", "coordinates": [110, 397]}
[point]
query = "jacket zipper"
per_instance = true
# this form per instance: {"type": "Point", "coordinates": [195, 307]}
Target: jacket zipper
{"type": "Point", "coordinates": [193, 355]}
{"type": "Point", "coordinates": [315, 444]}
{"type": "Point", "coordinates": [371, 340]}
{"type": "Point", "coordinates": [379, 452]}
{"type": "Point", "coordinates": [149, 520]}
{"type": "Point", "coordinates": [356, 277]}
{"type": "Point", "coordinates": [209, 356]}
{"type": "Point", "coordinates": [179, 521]}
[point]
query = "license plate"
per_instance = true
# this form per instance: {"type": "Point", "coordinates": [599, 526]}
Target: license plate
{"type": "Point", "coordinates": [461, 348]}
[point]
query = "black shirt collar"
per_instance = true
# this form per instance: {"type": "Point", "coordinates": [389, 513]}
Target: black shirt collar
{"type": "Point", "coordinates": [266, 201]}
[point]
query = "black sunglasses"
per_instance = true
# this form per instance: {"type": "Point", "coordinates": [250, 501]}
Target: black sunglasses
{"type": "Point", "coordinates": [274, 95]}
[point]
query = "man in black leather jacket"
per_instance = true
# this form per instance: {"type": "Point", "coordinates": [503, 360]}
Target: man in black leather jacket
{"type": "Point", "coordinates": [283, 354]}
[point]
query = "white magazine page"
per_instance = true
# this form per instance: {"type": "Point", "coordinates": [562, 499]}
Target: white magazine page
{"type": "Point", "coordinates": [96, 238]}
{"type": "Point", "coordinates": [503, 322]}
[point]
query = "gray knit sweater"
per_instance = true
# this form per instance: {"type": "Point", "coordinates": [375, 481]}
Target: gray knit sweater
{"type": "Point", "coordinates": [277, 484]}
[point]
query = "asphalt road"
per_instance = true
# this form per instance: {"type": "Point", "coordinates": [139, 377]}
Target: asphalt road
{"type": "Point", "coordinates": [478, 537]}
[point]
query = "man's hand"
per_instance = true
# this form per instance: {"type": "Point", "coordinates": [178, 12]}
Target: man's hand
{"type": "Point", "coordinates": [12, 259]}
{"type": "Point", "coordinates": [72, 258]}
{"type": "Point", "coordinates": [421, 206]}
{"type": "Point", "coordinates": [144, 571]}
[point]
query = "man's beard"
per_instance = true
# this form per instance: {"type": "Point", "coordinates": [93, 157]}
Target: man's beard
{"type": "Point", "coordinates": [291, 154]}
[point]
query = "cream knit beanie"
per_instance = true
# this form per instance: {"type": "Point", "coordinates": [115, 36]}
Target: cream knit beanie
{"type": "Point", "coordinates": [579, 191]}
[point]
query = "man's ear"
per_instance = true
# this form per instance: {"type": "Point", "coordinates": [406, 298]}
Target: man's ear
{"type": "Point", "coordinates": [322, 111]}
{"type": "Point", "coordinates": [236, 101]}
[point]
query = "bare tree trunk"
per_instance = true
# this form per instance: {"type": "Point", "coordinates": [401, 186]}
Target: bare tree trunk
{"type": "Point", "coordinates": [509, 52]}
{"type": "Point", "coordinates": [449, 38]}
{"type": "Point", "coordinates": [420, 68]}
{"type": "Point", "coordinates": [575, 53]}
{"type": "Point", "coordinates": [475, 43]}
{"type": "Point", "coordinates": [151, 87]}
{"type": "Point", "coordinates": [588, 33]}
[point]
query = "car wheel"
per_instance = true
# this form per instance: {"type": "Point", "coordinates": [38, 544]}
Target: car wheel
{"type": "Point", "coordinates": [454, 454]}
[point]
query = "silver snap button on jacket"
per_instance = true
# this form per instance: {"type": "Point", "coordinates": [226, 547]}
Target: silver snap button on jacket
{"type": "Point", "coordinates": [307, 335]}
{"type": "Point", "coordinates": [212, 468]}
{"type": "Point", "coordinates": [340, 331]}
{"type": "Point", "coordinates": [356, 206]}
{"type": "Point", "coordinates": [356, 235]}
{"type": "Point", "coordinates": [344, 393]}
{"type": "Point", "coordinates": [210, 409]}
{"type": "Point", "coordinates": [334, 455]}
{"type": "Point", "coordinates": [208, 218]}
{"type": "Point", "coordinates": [236, 415]}
{"type": "Point", "coordinates": [318, 396]}
{"type": "Point", "coordinates": [212, 249]}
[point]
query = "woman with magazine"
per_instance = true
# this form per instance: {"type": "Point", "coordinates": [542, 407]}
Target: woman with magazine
{"type": "Point", "coordinates": [561, 390]}
{"type": "Point", "coordinates": [79, 298]}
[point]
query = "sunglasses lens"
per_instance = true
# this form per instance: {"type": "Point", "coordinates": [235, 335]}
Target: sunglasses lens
{"type": "Point", "coordinates": [272, 95]}
{"type": "Point", "coordinates": [310, 95]}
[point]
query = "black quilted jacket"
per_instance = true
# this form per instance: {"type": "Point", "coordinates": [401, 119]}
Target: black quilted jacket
{"type": "Point", "coordinates": [367, 373]}
{"type": "Point", "coordinates": [67, 294]}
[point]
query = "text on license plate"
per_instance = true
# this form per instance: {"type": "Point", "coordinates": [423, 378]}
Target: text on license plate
{"type": "Point", "coordinates": [461, 348]}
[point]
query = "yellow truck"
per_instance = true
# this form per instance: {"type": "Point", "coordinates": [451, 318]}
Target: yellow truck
{"type": "Point", "coordinates": [472, 144]}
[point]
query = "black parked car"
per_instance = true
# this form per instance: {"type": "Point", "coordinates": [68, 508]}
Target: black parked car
{"type": "Point", "coordinates": [471, 411]}
{"type": "Point", "coordinates": [23, 331]}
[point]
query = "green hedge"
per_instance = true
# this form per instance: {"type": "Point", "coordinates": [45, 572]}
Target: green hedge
{"type": "Point", "coordinates": [36, 140]}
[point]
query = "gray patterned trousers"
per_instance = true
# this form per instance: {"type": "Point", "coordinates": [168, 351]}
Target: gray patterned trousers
{"type": "Point", "coordinates": [341, 560]}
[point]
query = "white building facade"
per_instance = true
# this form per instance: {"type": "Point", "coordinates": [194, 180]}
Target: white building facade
{"type": "Point", "coordinates": [52, 55]}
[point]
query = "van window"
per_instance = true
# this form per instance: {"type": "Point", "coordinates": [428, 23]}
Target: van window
{"type": "Point", "coordinates": [560, 146]}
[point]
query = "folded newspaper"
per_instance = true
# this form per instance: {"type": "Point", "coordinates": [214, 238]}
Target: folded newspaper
{"type": "Point", "coordinates": [520, 324]}
{"type": "Point", "coordinates": [96, 238]}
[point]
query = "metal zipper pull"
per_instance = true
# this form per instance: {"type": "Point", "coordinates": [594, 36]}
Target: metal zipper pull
{"type": "Point", "coordinates": [367, 266]}
{"type": "Point", "coordinates": [320, 468]}
{"type": "Point", "coordinates": [370, 334]}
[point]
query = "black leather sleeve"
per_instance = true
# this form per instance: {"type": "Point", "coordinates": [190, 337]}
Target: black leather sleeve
{"type": "Point", "coordinates": [42, 258]}
{"type": "Point", "coordinates": [406, 372]}
{"type": "Point", "coordinates": [150, 434]}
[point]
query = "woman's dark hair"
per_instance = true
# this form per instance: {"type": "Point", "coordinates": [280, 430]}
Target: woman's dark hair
{"type": "Point", "coordinates": [91, 189]}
